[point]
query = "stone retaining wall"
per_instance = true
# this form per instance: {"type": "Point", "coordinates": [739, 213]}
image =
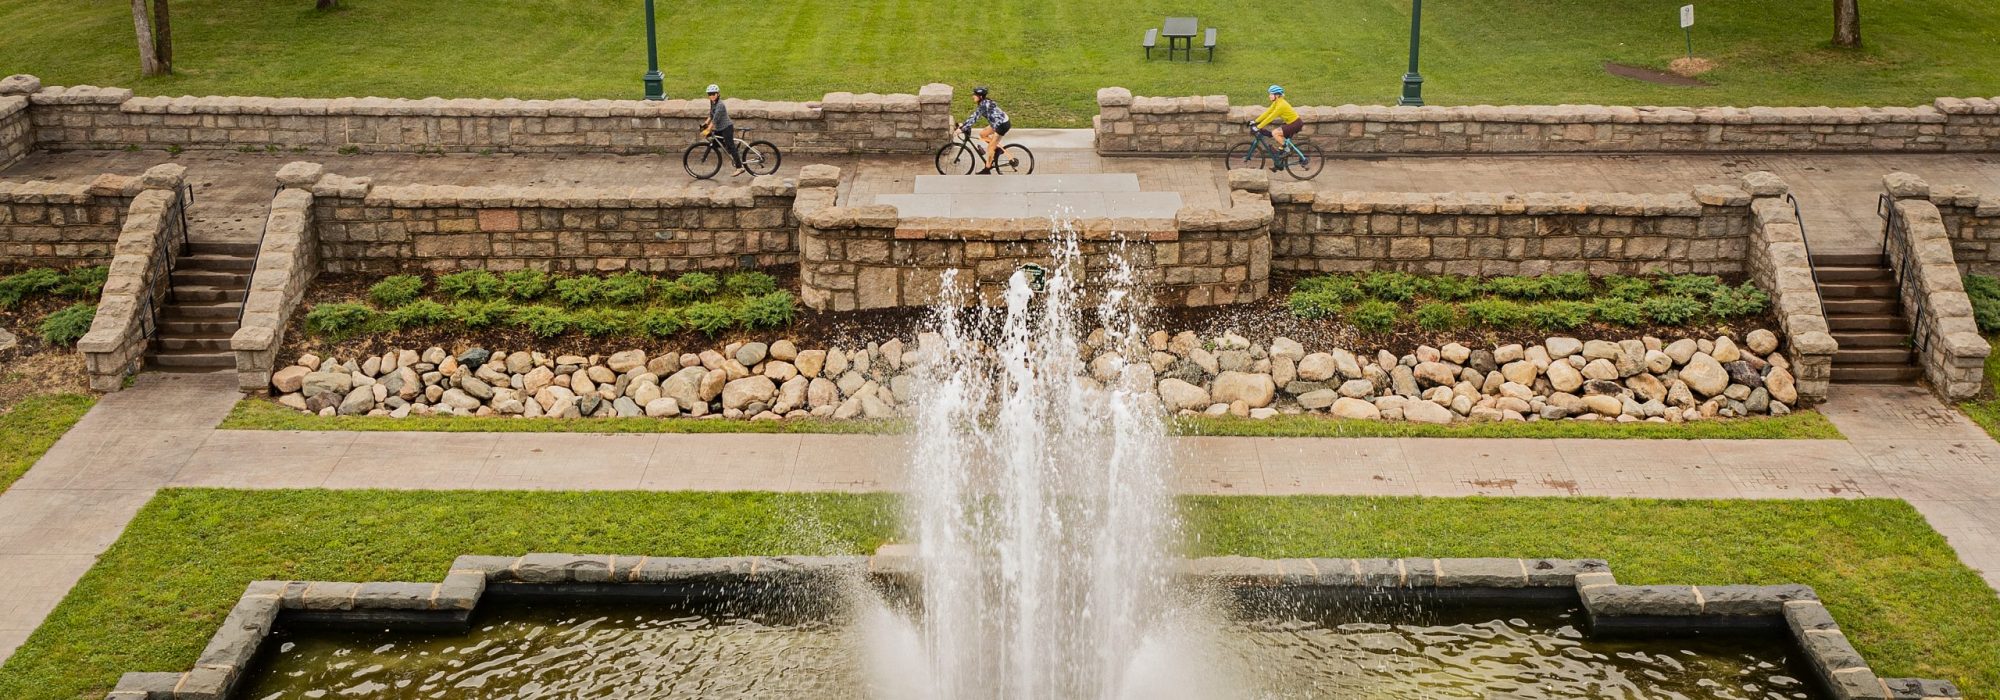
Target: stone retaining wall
{"type": "Point", "coordinates": [287, 261]}
{"type": "Point", "coordinates": [1781, 265]}
{"type": "Point", "coordinates": [88, 117]}
{"type": "Point", "coordinates": [62, 224]}
{"type": "Point", "coordinates": [870, 257]}
{"type": "Point", "coordinates": [1184, 125]}
{"type": "Point", "coordinates": [379, 229]}
{"type": "Point", "coordinates": [1973, 222]}
{"type": "Point", "coordinates": [1949, 347]}
{"type": "Point", "coordinates": [1508, 234]}
{"type": "Point", "coordinates": [148, 244]}
{"type": "Point", "coordinates": [1794, 610]}
{"type": "Point", "coordinates": [14, 133]}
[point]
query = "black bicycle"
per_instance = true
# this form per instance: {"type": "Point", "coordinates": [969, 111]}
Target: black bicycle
{"type": "Point", "coordinates": [706, 157]}
{"type": "Point", "coordinates": [967, 154]}
{"type": "Point", "coordinates": [1303, 160]}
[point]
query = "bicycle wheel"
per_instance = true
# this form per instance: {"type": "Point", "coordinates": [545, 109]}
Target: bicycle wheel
{"type": "Point", "coordinates": [702, 160]}
{"type": "Point", "coordinates": [1307, 167]}
{"type": "Point", "coordinates": [1246, 156]}
{"type": "Point", "coordinates": [956, 159]}
{"type": "Point", "coordinates": [1015, 159]}
{"type": "Point", "coordinates": [761, 158]}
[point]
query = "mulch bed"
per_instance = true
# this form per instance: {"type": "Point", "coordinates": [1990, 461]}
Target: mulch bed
{"type": "Point", "coordinates": [34, 368]}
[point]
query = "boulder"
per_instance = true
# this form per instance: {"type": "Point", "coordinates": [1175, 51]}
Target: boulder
{"type": "Point", "coordinates": [1436, 373]}
{"type": "Point", "coordinates": [359, 401]}
{"type": "Point", "coordinates": [289, 379]}
{"type": "Point", "coordinates": [1563, 347]}
{"type": "Point", "coordinates": [1287, 348]}
{"type": "Point", "coordinates": [1315, 400]}
{"type": "Point", "coordinates": [752, 353]}
{"type": "Point", "coordinates": [1426, 412]}
{"type": "Point", "coordinates": [1357, 388]}
{"type": "Point", "coordinates": [1726, 351]}
{"type": "Point", "coordinates": [809, 362]}
{"type": "Point", "coordinates": [337, 382]}
{"type": "Point", "coordinates": [1607, 406]}
{"type": "Point", "coordinates": [748, 390]}
{"type": "Point", "coordinates": [1355, 409]}
{"type": "Point", "coordinates": [1317, 367]}
{"type": "Point", "coordinates": [1520, 372]}
{"type": "Point", "coordinates": [1705, 375]}
{"type": "Point", "coordinates": [1600, 369]}
{"type": "Point", "coordinates": [663, 407]}
{"type": "Point", "coordinates": [1783, 388]}
{"type": "Point", "coordinates": [1680, 351]}
{"type": "Point", "coordinates": [626, 361]}
{"type": "Point", "coordinates": [784, 350]}
{"type": "Point", "coordinates": [1254, 390]}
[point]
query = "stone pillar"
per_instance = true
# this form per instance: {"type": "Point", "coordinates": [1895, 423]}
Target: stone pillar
{"type": "Point", "coordinates": [1113, 122]}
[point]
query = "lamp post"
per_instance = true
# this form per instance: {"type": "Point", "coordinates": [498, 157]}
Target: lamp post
{"type": "Point", "coordinates": [1413, 82]}
{"type": "Point", "coordinates": [655, 82]}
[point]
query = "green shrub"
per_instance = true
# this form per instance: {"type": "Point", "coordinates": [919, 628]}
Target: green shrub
{"type": "Point", "coordinates": [750, 284]}
{"type": "Point", "coordinates": [338, 320]}
{"type": "Point", "coordinates": [626, 288]}
{"type": "Point", "coordinates": [768, 310]}
{"type": "Point", "coordinates": [1619, 311]}
{"type": "Point", "coordinates": [1673, 309]}
{"type": "Point", "coordinates": [525, 285]}
{"type": "Point", "coordinates": [1313, 305]}
{"type": "Point", "coordinates": [28, 283]}
{"type": "Point", "coordinates": [1742, 300]}
{"type": "Point", "coordinates": [710, 318]}
{"type": "Point", "coordinates": [422, 312]}
{"type": "Point", "coordinates": [597, 323]}
{"type": "Point", "coordinates": [1340, 290]}
{"type": "Point", "coordinates": [1375, 316]}
{"type": "Point", "coordinates": [1438, 317]}
{"type": "Point", "coordinates": [1559, 315]}
{"type": "Point", "coordinates": [84, 282]}
{"type": "Point", "coordinates": [579, 291]}
{"type": "Point", "coordinates": [63, 328]}
{"type": "Point", "coordinates": [542, 321]}
{"type": "Point", "coordinates": [1452, 287]}
{"type": "Point", "coordinates": [1984, 291]}
{"type": "Point", "coordinates": [690, 288]}
{"type": "Point", "coordinates": [1628, 288]}
{"type": "Point", "coordinates": [396, 290]}
{"type": "Point", "coordinates": [1496, 313]}
{"type": "Point", "coordinates": [1696, 286]}
{"type": "Point", "coordinates": [481, 314]}
{"type": "Point", "coordinates": [470, 284]}
{"type": "Point", "coordinates": [1567, 285]}
{"type": "Point", "coordinates": [1390, 285]}
{"type": "Point", "coordinates": [1515, 287]}
{"type": "Point", "coordinates": [661, 322]}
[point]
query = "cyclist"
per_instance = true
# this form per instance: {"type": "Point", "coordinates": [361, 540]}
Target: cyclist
{"type": "Point", "coordinates": [1284, 116]}
{"type": "Point", "coordinates": [719, 124]}
{"type": "Point", "coordinates": [996, 126]}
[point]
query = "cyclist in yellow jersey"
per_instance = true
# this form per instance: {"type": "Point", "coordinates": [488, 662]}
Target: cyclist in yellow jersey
{"type": "Point", "coordinates": [1281, 113]}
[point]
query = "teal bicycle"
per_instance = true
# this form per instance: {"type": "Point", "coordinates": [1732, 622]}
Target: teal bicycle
{"type": "Point", "coordinates": [1302, 160]}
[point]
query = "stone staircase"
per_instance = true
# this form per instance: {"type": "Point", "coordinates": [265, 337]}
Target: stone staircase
{"type": "Point", "coordinates": [1866, 317]}
{"type": "Point", "coordinates": [208, 287]}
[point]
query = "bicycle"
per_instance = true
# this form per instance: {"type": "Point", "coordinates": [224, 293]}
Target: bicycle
{"type": "Point", "coordinates": [965, 155]}
{"type": "Point", "coordinates": [1302, 160]}
{"type": "Point", "coordinates": [704, 158]}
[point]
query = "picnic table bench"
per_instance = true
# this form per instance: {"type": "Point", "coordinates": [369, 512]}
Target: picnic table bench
{"type": "Point", "coordinates": [1180, 33]}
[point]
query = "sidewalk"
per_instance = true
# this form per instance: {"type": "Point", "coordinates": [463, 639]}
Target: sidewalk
{"type": "Point", "coordinates": [74, 503]}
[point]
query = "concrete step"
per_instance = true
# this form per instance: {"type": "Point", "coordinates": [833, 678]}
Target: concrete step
{"type": "Point", "coordinates": [201, 294]}
{"type": "Point", "coordinates": [1867, 322]}
{"type": "Point", "coordinates": [1871, 339]}
{"type": "Point", "coordinates": [233, 250]}
{"type": "Point", "coordinates": [1875, 374]}
{"type": "Point", "coordinates": [1857, 290]}
{"type": "Point", "coordinates": [172, 326]}
{"type": "Point", "coordinates": [215, 262]}
{"type": "Point", "coordinates": [1854, 259]}
{"type": "Point", "coordinates": [1865, 307]}
{"type": "Point", "coordinates": [190, 343]}
{"type": "Point", "coordinates": [219, 279]}
{"type": "Point", "coordinates": [1873, 356]}
{"type": "Point", "coordinates": [196, 311]}
{"type": "Point", "coordinates": [1854, 274]}
{"type": "Point", "coordinates": [185, 360]}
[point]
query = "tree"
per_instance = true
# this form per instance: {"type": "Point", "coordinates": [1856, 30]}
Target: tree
{"type": "Point", "coordinates": [1847, 23]}
{"type": "Point", "coordinates": [155, 35]}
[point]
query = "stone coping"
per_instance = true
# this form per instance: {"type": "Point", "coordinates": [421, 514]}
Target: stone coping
{"type": "Point", "coordinates": [935, 93]}
{"type": "Point", "coordinates": [1511, 203]}
{"type": "Point", "coordinates": [1250, 210]}
{"type": "Point", "coordinates": [1795, 609]}
{"type": "Point", "coordinates": [1934, 113]}
{"type": "Point", "coordinates": [50, 192]}
{"type": "Point", "coordinates": [12, 105]}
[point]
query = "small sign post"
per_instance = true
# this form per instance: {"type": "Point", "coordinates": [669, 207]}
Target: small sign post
{"type": "Point", "coordinates": [1687, 28]}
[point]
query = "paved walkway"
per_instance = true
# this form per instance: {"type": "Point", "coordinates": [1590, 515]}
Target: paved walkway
{"type": "Point", "coordinates": [74, 503]}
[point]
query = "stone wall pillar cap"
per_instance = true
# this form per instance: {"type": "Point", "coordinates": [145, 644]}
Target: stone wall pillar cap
{"type": "Point", "coordinates": [1114, 97]}
{"type": "Point", "coordinates": [1902, 185]}
{"type": "Point", "coordinates": [819, 175]}
{"type": "Point", "coordinates": [165, 176]}
{"type": "Point", "coordinates": [300, 173]}
{"type": "Point", "coordinates": [20, 84]}
{"type": "Point", "coordinates": [1764, 183]}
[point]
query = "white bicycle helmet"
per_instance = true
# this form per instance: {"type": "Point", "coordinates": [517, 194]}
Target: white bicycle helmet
{"type": "Point", "coordinates": [714, 89]}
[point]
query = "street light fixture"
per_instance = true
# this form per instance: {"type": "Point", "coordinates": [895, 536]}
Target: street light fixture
{"type": "Point", "coordinates": [655, 82]}
{"type": "Point", "coordinates": [1413, 82]}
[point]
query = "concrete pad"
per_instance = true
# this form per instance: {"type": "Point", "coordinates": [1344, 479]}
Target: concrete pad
{"type": "Point", "coordinates": [987, 184]}
{"type": "Point", "coordinates": [65, 522]}
{"type": "Point", "coordinates": [264, 459]}
{"type": "Point", "coordinates": [556, 461]}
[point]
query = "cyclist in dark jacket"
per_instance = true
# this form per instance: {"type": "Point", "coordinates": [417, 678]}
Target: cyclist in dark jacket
{"type": "Point", "coordinates": [996, 126]}
{"type": "Point", "coordinates": [719, 124]}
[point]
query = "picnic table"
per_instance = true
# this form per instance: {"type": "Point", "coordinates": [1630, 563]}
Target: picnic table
{"type": "Point", "coordinates": [1180, 32]}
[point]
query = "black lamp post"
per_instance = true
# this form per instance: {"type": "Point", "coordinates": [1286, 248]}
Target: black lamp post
{"type": "Point", "coordinates": [655, 82]}
{"type": "Point", "coordinates": [1413, 82]}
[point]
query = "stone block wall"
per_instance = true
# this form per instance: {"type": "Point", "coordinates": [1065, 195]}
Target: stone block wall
{"type": "Point", "coordinates": [1949, 347]}
{"type": "Point", "coordinates": [88, 117]}
{"type": "Point", "coordinates": [1780, 264]}
{"type": "Point", "coordinates": [62, 224]}
{"type": "Point", "coordinates": [870, 257]}
{"type": "Point", "coordinates": [1973, 222]}
{"type": "Point", "coordinates": [287, 261]}
{"type": "Point", "coordinates": [149, 242]}
{"type": "Point", "coordinates": [14, 140]}
{"type": "Point", "coordinates": [1509, 234]}
{"type": "Point", "coordinates": [1182, 125]}
{"type": "Point", "coordinates": [376, 229]}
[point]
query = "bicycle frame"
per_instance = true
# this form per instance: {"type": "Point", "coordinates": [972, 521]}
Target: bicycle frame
{"type": "Point", "coordinates": [977, 146]}
{"type": "Point", "coordinates": [1261, 143]}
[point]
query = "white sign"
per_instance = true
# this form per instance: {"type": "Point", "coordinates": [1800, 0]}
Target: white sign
{"type": "Point", "coordinates": [1687, 16]}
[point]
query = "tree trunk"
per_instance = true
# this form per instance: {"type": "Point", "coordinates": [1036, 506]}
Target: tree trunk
{"type": "Point", "coordinates": [163, 37]}
{"type": "Point", "coordinates": [1847, 23]}
{"type": "Point", "coordinates": [149, 58]}
{"type": "Point", "coordinates": [326, 4]}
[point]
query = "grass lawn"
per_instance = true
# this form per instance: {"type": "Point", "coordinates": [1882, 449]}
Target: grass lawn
{"type": "Point", "coordinates": [152, 601]}
{"type": "Point", "coordinates": [33, 425]}
{"type": "Point", "coordinates": [1986, 410]}
{"type": "Point", "coordinates": [1045, 60]}
{"type": "Point", "coordinates": [262, 414]}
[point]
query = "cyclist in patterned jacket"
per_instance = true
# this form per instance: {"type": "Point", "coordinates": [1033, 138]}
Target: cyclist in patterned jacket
{"type": "Point", "coordinates": [996, 126]}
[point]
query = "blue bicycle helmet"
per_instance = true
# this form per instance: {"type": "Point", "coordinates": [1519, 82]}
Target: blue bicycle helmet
{"type": "Point", "coordinates": [1277, 89]}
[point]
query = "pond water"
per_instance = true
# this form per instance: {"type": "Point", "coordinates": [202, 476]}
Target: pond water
{"type": "Point", "coordinates": [576, 650]}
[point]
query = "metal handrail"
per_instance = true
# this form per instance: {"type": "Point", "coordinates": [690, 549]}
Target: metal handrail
{"type": "Point", "coordinates": [256, 256]}
{"type": "Point", "coordinates": [1811, 268]}
{"type": "Point", "coordinates": [1901, 257]}
{"type": "Point", "coordinates": [161, 266]}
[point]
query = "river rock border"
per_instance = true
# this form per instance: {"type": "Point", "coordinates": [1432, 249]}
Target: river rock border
{"type": "Point", "coordinates": [1611, 606]}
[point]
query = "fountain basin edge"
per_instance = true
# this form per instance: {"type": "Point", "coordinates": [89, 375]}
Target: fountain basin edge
{"type": "Point", "coordinates": [1613, 608]}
